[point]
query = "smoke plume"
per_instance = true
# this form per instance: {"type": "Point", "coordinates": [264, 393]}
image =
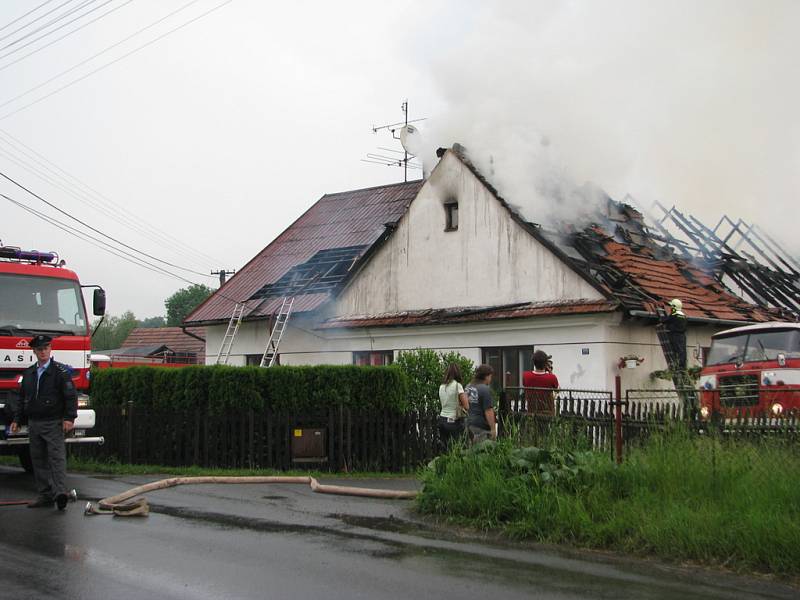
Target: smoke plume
{"type": "Point", "coordinates": [693, 104]}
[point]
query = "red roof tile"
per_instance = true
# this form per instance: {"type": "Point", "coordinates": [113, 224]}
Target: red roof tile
{"type": "Point", "coordinates": [658, 281]}
{"type": "Point", "coordinates": [171, 337]}
{"type": "Point", "coordinates": [471, 314]}
{"type": "Point", "coordinates": [355, 218]}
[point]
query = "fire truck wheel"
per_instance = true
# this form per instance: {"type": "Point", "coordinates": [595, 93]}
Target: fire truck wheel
{"type": "Point", "coordinates": [25, 459]}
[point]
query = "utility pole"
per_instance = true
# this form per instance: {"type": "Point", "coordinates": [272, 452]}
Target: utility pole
{"type": "Point", "coordinates": [222, 275]}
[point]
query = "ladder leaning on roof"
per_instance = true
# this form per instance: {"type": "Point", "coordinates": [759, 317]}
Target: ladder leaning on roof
{"type": "Point", "coordinates": [271, 351]}
{"type": "Point", "coordinates": [230, 333]}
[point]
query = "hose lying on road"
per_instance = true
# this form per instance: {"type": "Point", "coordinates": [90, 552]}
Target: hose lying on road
{"type": "Point", "coordinates": [118, 506]}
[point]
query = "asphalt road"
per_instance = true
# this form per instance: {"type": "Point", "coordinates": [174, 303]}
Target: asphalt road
{"type": "Point", "coordinates": [284, 541]}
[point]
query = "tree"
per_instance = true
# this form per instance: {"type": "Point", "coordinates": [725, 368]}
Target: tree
{"type": "Point", "coordinates": [153, 322]}
{"type": "Point", "coordinates": [425, 370]}
{"type": "Point", "coordinates": [184, 301]}
{"type": "Point", "coordinates": [113, 331]}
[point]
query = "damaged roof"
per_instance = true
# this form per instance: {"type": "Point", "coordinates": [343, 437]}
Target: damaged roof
{"type": "Point", "coordinates": [633, 267]}
{"type": "Point", "coordinates": [472, 314]}
{"type": "Point", "coordinates": [358, 221]}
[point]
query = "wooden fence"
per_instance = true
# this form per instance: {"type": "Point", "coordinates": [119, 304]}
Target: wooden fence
{"type": "Point", "coordinates": [364, 441]}
{"type": "Point", "coordinates": [383, 440]}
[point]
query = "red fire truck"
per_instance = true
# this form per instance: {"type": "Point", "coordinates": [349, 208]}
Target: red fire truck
{"type": "Point", "coordinates": [752, 371]}
{"type": "Point", "coordinates": [38, 295]}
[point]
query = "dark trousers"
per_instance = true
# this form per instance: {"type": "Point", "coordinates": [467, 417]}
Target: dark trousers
{"type": "Point", "coordinates": [49, 457]}
{"type": "Point", "coordinates": [678, 343]}
{"type": "Point", "coordinates": [450, 431]}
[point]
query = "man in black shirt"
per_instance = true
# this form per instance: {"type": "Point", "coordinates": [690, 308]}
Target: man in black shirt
{"type": "Point", "coordinates": [49, 401]}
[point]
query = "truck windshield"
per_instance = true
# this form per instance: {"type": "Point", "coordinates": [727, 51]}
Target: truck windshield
{"type": "Point", "coordinates": [756, 346]}
{"type": "Point", "coordinates": [41, 304]}
{"type": "Point", "coordinates": [727, 350]}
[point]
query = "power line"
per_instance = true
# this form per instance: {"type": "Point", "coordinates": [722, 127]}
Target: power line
{"type": "Point", "coordinates": [33, 10]}
{"type": "Point", "coordinates": [107, 247]}
{"type": "Point", "coordinates": [95, 241]}
{"type": "Point", "coordinates": [116, 60]}
{"type": "Point", "coordinates": [52, 10]}
{"type": "Point", "coordinates": [81, 196]}
{"type": "Point", "coordinates": [44, 35]}
{"type": "Point", "coordinates": [84, 188]}
{"type": "Point", "coordinates": [77, 220]}
{"type": "Point", "coordinates": [66, 14]}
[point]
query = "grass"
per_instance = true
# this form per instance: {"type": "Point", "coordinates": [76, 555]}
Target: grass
{"type": "Point", "coordinates": [679, 496]}
{"type": "Point", "coordinates": [84, 465]}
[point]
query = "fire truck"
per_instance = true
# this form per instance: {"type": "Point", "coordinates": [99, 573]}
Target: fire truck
{"type": "Point", "coordinates": [752, 371]}
{"type": "Point", "coordinates": [39, 296]}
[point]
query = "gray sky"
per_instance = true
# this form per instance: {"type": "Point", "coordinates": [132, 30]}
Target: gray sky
{"type": "Point", "coordinates": [225, 131]}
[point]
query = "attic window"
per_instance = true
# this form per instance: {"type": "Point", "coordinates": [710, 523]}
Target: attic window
{"type": "Point", "coordinates": [451, 215]}
{"type": "Point", "coordinates": [321, 273]}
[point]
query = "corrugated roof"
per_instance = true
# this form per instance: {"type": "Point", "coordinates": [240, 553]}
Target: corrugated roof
{"type": "Point", "coordinates": [472, 314]}
{"type": "Point", "coordinates": [355, 218]}
{"type": "Point", "coordinates": [171, 337]}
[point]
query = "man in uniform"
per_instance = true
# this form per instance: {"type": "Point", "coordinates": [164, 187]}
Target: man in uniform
{"type": "Point", "coordinates": [49, 401]}
{"type": "Point", "coordinates": [675, 324]}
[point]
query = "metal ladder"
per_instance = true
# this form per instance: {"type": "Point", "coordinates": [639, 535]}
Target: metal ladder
{"type": "Point", "coordinates": [680, 377]}
{"type": "Point", "coordinates": [230, 333]}
{"type": "Point", "coordinates": [271, 351]}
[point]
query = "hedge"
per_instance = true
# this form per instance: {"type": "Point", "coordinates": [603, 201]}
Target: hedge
{"type": "Point", "coordinates": [219, 388]}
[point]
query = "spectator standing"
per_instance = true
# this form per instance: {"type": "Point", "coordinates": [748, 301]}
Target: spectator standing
{"type": "Point", "coordinates": [454, 405]}
{"type": "Point", "coordinates": [540, 401]}
{"type": "Point", "coordinates": [482, 419]}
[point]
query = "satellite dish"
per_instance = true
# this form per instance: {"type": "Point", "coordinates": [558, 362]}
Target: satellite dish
{"type": "Point", "coordinates": [411, 139]}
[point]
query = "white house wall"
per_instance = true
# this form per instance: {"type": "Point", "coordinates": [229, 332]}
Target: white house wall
{"type": "Point", "coordinates": [489, 260]}
{"type": "Point", "coordinates": [586, 348]}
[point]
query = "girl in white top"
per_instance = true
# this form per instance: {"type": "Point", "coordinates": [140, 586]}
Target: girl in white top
{"type": "Point", "coordinates": [452, 396]}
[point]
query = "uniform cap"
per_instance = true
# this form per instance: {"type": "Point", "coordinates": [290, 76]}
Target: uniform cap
{"type": "Point", "coordinates": [40, 340]}
{"type": "Point", "coordinates": [676, 304]}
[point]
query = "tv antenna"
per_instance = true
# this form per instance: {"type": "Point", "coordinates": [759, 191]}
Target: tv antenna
{"type": "Point", "coordinates": [409, 139]}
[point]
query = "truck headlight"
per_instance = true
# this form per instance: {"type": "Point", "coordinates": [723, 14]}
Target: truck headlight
{"type": "Point", "coordinates": [777, 409]}
{"type": "Point", "coordinates": [704, 412]}
{"type": "Point", "coordinates": [708, 382]}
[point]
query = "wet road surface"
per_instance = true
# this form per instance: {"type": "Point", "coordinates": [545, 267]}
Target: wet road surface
{"type": "Point", "coordinates": [284, 541]}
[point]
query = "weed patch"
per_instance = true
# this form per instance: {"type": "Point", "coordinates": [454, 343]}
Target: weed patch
{"type": "Point", "coordinates": [679, 496]}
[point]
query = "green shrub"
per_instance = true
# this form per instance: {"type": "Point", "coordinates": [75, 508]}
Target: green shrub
{"type": "Point", "coordinates": [679, 496]}
{"type": "Point", "coordinates": [425, 370]}
{"type": "Point", "coordinates": [220, 388]}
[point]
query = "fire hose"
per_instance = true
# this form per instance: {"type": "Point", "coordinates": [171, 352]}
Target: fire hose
{"type": "Point", "coordinates": [119, 506]}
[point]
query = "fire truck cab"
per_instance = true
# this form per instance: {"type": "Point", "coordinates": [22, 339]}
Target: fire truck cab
{"type": "Point", "coordinates": [39, 296]}
{"type": "Point", "coordinates": [753, 371]}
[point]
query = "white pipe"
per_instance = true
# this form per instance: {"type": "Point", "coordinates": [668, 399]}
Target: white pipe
{"type": "Point", "coordinates": [73, 440]}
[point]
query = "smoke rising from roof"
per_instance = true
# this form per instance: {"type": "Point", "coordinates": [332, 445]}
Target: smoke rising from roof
{"type": "Point", "coordinates": [691, 104]}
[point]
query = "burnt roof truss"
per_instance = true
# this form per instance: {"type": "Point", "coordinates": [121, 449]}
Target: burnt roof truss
{"type": "Point", "coordinates": [322, 273]}
{"type": "Point", "coordinates": [740, 254]}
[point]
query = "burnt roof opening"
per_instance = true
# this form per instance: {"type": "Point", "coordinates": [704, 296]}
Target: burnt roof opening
{"type": "Point", "coordinates": [321, 273]}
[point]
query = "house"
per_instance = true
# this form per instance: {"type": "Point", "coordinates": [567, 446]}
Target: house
{"type": "Point", "coordinates": [446, 263]}
{"type": "Point", "coordinates": [161, 345]}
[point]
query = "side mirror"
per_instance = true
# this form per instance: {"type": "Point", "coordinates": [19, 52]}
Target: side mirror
{"type": "Point", "coordinates": [99, 302]}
